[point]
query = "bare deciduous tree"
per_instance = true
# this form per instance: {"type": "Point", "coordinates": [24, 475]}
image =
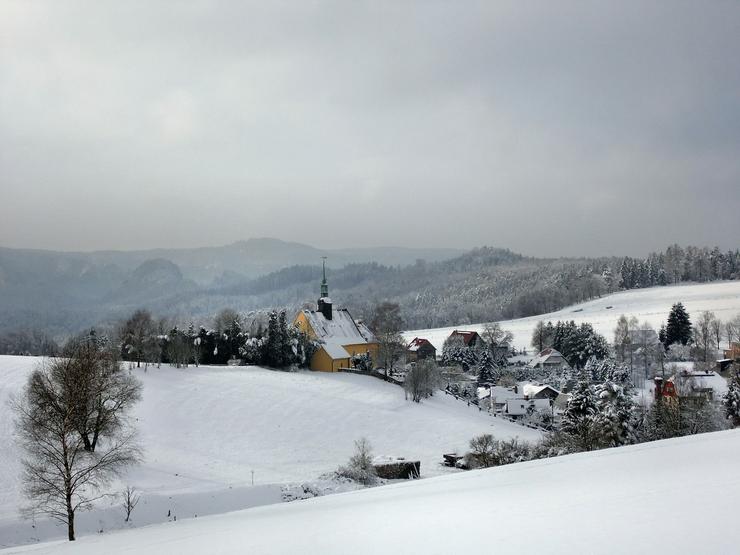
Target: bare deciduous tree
{"type": "Point", "coordinates": [717, 331]}
{"type": "Point", "coordinates": [703, 334]}
{"type": "Point", "coordinates": [62, 475]}
{"type": "Point", "coordinates": [99, 389]}
{"type": "Point", "coordinates": [482, 450]}
{"type": "Point", "coordinates": [496, 336]}
{"type": "Point", "coordinates": [422, 380]}
{"type": "Point", "coordinates": [732, 330]}
{"type": "Point", "coordinates": [387, 323]}
{"type": "Point", "coordinates": [129, 499]}
{"type": "Point", "coordinates": [540, 337]}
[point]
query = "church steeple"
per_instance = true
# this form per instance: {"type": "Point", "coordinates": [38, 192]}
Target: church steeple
{"type": "Point", "coordinates": [324, 284]}
{"type": "Point", "coordinates": [324, 301]}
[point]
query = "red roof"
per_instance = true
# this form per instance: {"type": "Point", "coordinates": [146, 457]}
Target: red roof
{"type": "Point", "coordinates": [419, 342]}
{"type": "Point", "coordinates": [467, 336]}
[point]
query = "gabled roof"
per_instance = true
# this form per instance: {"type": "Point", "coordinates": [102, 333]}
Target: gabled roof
{"type": "Point", "coordinates": [546, 355]}
{"type": "Point", "coordinates": [417, 343]}
{"type": "Point", "coordinates": [341, 329]}
{"type": "Point", "coordinates": [467, 336]}
{"type": "Point", "coordinates": [531, 389]}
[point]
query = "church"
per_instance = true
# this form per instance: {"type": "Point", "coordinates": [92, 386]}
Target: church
{"type": "Point", "coordinates": [341, 336]}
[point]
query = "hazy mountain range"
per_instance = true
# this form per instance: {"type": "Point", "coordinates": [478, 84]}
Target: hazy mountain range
{"type": "Point", "coordinates": [63, 291]}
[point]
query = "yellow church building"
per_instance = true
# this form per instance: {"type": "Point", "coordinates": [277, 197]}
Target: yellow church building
{"type": "Point", "coordinates": [341, 336]}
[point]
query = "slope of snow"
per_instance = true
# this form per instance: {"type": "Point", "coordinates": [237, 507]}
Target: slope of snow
{"type": "Point", "coordinates": [650, 305]}
{"type": "Point", "coordinates": [673, 496]}
{"type": "Point", "coordinates": [205, 430]}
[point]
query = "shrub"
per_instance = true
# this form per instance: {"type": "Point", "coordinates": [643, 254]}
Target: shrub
{"type": "Point", "coordinates": [360, 466]}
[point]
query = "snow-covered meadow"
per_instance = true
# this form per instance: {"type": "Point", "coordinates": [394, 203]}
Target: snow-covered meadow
{"type": "Point", "coordinates": [672, 496]}
{"type": "Point", "coordinates": [650, 305]}
{"type": "Point", "coordinates": [206, 430]}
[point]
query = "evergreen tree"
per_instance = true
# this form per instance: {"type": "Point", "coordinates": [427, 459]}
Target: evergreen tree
{"type": "Point", "coordinates": [487, 371]}
{"type": "Point", "coordinates": [731, 400]}
{"type": "Point", "coordinates": [616, 415]}
{"type": "Point", "coordinates": [678, 329]}
{"type": "Point", "coordinates": [453, 351]}
{"type": "Point", "coordinates": [663, 336]}
{"type": "Point", "coordinates": [284, 347]}
{"type": "Point", "coordinates": [271, 343]}
{"type": "Point", "coordinates": [580, 421]}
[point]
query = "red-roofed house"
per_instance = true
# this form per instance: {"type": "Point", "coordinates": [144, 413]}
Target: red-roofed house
{"type": "Point", "coordinates": [419, 349]}
{"type": "Point", "coordinates": [470, 338]}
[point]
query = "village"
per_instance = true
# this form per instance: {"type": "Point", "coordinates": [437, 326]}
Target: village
{"type": "Point", "coordinates": [533, 389]}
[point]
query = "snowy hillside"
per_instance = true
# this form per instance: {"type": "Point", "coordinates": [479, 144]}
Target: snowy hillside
{"type": "Point", "coordinates": [674, 496]}
{"type": "Point", "coordinates": [651, 305]}
{"type": "Point", "coordinates": [204, 431]}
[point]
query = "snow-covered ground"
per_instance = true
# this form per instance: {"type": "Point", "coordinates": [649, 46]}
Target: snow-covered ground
{"type": "Point", "coordinates": [205, 430]}
{"type": "Point", "coordinates": [650, 305]}
{"type": "Point", "coordinates": [673, 496]}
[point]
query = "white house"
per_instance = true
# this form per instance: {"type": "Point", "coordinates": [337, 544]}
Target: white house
{"type": "Point", "coordinates": [519, 406]}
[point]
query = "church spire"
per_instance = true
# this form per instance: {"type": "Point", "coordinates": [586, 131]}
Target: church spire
{"type": "Point", "coordinates": [324, 301]}
{"type": "Point", "coordinates": [324, 284]}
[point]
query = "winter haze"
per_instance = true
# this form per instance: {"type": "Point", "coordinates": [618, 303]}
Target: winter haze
{"type": "Point", "coordinates": [554, 129]}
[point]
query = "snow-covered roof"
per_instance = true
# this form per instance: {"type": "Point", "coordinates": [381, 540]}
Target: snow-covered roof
{"type": "Point", "coordinates": [531, 389]}
{"type": "Point", "coordinates": [335, 350]}
{"type": "Point", "coordinates": [417, 342]}
{"type": "Point", "coordinates": [500, 394]}
{"type": "Point", "coordinates": [341, 329]}
{"type": "Point", "coordinates": [706, 380]}
{"type": "Point", "coordinates": [467, 336]}
{"type": "Point", "coordinates": [545, 356]}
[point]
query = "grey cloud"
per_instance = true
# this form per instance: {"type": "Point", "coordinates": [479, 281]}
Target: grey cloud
{"type": "Point", "coordinates": [551, 128]}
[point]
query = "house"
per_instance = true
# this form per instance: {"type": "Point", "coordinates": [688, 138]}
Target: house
{"type": "Point", "coordinates": [341, 337]}
{"type": "Point", "coordinates": [708, 385]}
{"type": "Point", "coordinates": [725, 364]}
{"type": "Point", "coordinates": [733, 352]}
{"type": "Point", "coordinates": [691, 385]}
{"type": "Point", "coordinates": [549, 358]}
{"type": "Point", "coordinates": [537, 391]}
{"type": "Point", "coordinates": [519, 406]}
{"type": "Point", "coordinates": [495, 397]}
{"type": "Point", "coordinates": [419, 349]}
{"type": "Point", "coordinates": [470, 338]}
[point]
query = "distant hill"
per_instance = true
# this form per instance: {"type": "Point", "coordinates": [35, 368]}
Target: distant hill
{"type": "Point", "coordinates": [64, 291]}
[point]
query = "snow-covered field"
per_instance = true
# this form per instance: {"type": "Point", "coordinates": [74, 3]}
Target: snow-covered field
{"type": "Point", "coordinates": [205, 430]}
{"type": "Point", "coordinates": [650, 305]}
{"type": "Point", "coordinates": [673, 496]}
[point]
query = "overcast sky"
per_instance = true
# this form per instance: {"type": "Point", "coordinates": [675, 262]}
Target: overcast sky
{"type": "Point", "coordinates": [559, 128]}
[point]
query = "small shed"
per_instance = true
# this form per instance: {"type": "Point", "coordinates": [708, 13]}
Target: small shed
{"type": "Point", "coordinates": [396, 468]}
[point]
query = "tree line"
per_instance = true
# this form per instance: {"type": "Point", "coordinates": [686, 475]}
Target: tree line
{"type": "Point", "coordinates": [677, 265]}
{"type": "Point", "coordinates": [275, 344]}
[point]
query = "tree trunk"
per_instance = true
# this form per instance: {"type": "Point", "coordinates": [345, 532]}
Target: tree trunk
{"type": "Point", "coordinates": [71, 526]}
{"type": "Point", "coordinates": [70, 517]}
